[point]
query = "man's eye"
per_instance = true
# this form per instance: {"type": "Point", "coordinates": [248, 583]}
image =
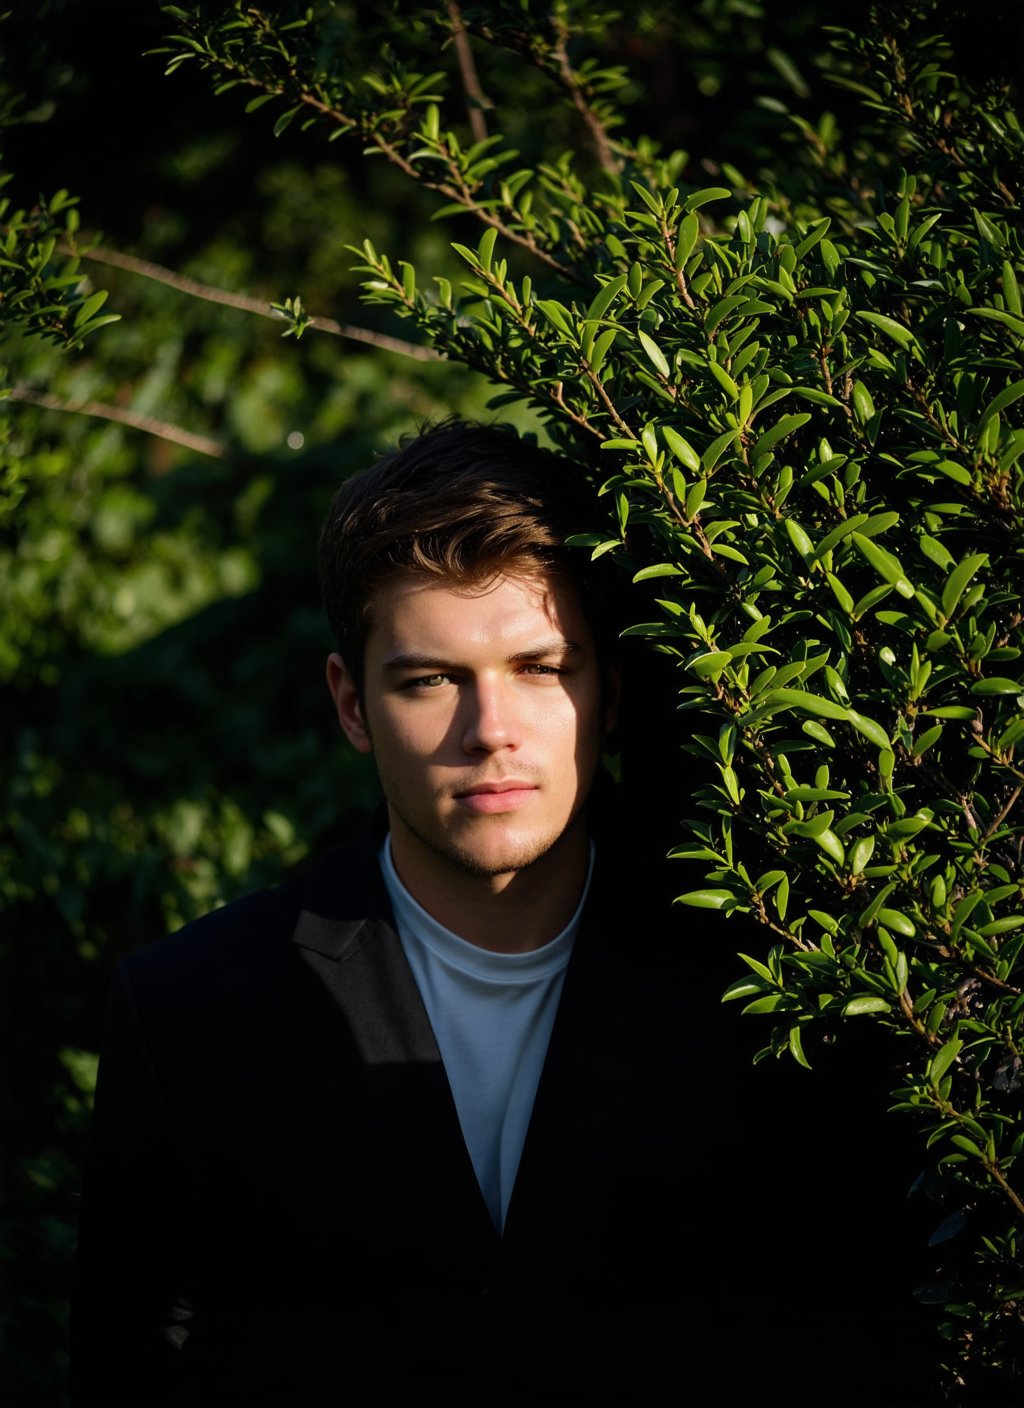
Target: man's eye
{"type": "Point", "coordinates": [542, 670]}
{"type": "Point", "coordinates": [427, 681]}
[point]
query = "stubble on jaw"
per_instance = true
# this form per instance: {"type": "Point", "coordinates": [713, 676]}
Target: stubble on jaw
{"type": "Point", "coordinates": [461, 857]}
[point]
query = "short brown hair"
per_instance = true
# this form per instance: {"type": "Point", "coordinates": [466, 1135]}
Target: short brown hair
{"type": "Point", "coordinates": [460, 502]}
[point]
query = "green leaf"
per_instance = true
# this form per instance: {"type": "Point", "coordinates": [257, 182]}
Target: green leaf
{"type": "Point", "coordinates": [604, 299]}
{"type": "Point", "coordinates": [870, 730]}
{"type": "Point", "coordinates": [818, 732]}
{"type": "Point", "coordinates": [899, 334]}
{"type": "Point", "coordinates": [837, 535]}
{"type": "Point", "coordinates": [717, 449]}
{"type": "Point", "coordinates": [796, 1047]}
{"type": "Point", "coordinates": [812, 703]}
{"type": "Point", "coordinates": [743, 987]}
{"type": "Point", "coordinates": [943, 1059]}
{"type": "Point", "coordinates": [879, 523]}
{"type": "Point", "coordinates": [831, 845]}
{"type": "Point", "coordinates": [485, 249]}
{"type": "Point", "coordinates": [816, 232]}
{"type": "Point", "coordinates": [996, 684]}
{"type": "Point", "coordinates": [689, 228]}
{"type": "Point", "coordinates": [999, 403]}
{"type": "Point", "coordinates": [997, 315]}
{"type": "Point", "coordinates": [654, 353]}
{"type": "Point", "coordinates": [556, 313]}
{"type": "Point", "coordinates": [860, 853]}
{"type": "Point", "coordinates": [92, 305]}
{"type": "Point", "coordinates": [799, 539]}
{"type": "Point", "coordinates": [659, 569]}
{"type": "Point", "coordinates": [885, 564]}
{"type": "Point", "coordinates": [682, 449]}
{"type": "Point", "coordinates": [708, 194]}
{"type": "Point", "coordinates": [285, 120]}
{"type": "Point", "coordinates": [778, 431]}
{"type": "Point", "coordinates": [962, 1142]}
{"type": "Point", "coordinates": [706, 899]}
{"type": "Point", "coordinates": [710, 665]}
{"type": "Point", "coordinates": [724, 380]}
{"type": "Point", "coordinates": [898, 922]}
{"type": "Point", "coordinates": [953, 588]}
{"type": "Point", "coordinates": [861, 1006]}
{"type": "Point", "coordinates": [601, 347]}
{"type": "Point", "coordinates": [988, 231]}
{"type": "Point", "coordinates": [1001, 926]}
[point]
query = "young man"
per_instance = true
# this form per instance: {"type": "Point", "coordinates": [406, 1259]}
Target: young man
{"type": "Point", "coordinates": [405, 1130]}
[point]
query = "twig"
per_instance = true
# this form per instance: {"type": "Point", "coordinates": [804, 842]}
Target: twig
{"type": "Point", "coordinates": [164, 430]}
{"type": "Point", "coordinates": [764, 918]}
{"type": "Point", "coordinates": [558, 397]}
{"type": "Point", "coordinates": [455, 194]}
{"type": "Point", "coordinates": [476, 98]}
{"type": "Point", "coordinates": [392, 153]}
{"type": "Point", "coordinates": [907, 1008]}
{"type": "Point", "coordinates": [607, 401]}
{"type": "Point", "coordinates": [680, 277]}
{"type": "Point", "coordinates": [246, 302]}
{"type": "Point", "coordinates": [598, 135]}
{"type": "Point", "coordinates": [1004, 811]}
{"type": "Point", "coordinates": [1000, 1177]}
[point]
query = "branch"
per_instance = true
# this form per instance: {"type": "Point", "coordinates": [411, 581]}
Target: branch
{"type": "Point", "coordinates": [247, 303]}
{"type": "Point", "coordinates": [1003, 812]}
{"type": "Point", "coordinates": [458, 195]}
{"type": "Point", "coordinates": [607, 401]}
{"type": "Point", "coordinates": [164, 430]}
{"type": "Point", "coordinates": [475, 95]}
{"type": "Point", "coordinates": [595, 127]}
{"type": "Point", "coordinates": [1000, 1177]}
{"type": "Point", "coordinates": [558, 397]}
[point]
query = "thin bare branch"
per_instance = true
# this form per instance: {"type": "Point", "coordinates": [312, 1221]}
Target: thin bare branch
{"type": "Point", "coordinates": [247, 304]}
{"type": "Point", "coordinates": [164, 430]}
{"type": "Point", "coordinates": [476, 99]}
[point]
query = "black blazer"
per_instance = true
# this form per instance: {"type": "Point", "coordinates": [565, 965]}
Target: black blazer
{"type": "Point", "coordinates": [280, 1207]}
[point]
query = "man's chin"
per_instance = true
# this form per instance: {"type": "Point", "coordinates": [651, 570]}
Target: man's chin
{"type": "Point", "coordinates": [490, 862]}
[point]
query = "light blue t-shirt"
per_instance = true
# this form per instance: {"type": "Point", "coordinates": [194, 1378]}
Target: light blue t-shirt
{"type": "Point", "coordinates": [492, 1015]}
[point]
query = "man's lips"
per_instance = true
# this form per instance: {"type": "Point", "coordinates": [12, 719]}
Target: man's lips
{"type": "Point", "coordinates": [488, 797]}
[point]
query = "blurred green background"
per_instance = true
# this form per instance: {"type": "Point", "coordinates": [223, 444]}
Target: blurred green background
{"type": "Point", "coordinates": [165, 736]}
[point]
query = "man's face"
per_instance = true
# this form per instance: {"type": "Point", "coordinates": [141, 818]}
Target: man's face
{"type": "Point", "coordinates": [483, 710]}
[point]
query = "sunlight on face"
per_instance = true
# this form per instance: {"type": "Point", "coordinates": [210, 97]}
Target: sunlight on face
{"type": "Point", "coordinates": [483, 710]}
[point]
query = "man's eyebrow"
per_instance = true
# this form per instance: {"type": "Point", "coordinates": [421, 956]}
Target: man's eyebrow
{"type": "Point", "coordinates": [418, 662]}
{"type": "Point", "coordinates": [544, 649]}
{"type": "Point", "coordinates": [558, 647]}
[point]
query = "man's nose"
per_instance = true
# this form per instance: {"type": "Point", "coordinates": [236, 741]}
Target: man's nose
{"type": "Point", "coordinates": [491, 722]}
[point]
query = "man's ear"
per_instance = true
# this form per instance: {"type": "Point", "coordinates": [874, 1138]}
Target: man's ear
{"type": "Point", "coordinates": [347, 704]}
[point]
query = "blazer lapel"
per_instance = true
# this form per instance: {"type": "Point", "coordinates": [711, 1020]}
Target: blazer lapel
{"type": "Point", "coordinates": [595, 1057]}
{"type": "Point", "coordinates": [355, 1002]}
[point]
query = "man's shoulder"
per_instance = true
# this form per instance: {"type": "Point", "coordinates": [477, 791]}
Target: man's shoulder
{"type": "Point", "coordinates": [253, 933]}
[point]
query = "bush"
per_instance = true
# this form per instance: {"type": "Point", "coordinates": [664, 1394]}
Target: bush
{"type": "Point", "coordinates": [792, 365]}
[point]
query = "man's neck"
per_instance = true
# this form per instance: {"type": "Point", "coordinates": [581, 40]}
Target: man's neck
{"type": "Point", "coordinates": [514, 912]}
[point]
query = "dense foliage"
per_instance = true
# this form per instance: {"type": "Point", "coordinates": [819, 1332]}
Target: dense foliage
{"type": "Point", "coordinates": [792, 360]}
